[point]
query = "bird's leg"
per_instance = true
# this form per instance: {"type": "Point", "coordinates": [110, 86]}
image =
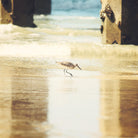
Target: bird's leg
{"type": "Point", "coordinates": [64, 71]}
{"type": "Point", "coordinates": [69, 73]}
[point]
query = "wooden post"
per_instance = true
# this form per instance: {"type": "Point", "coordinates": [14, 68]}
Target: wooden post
{"type": "Point", "coordinates": [42, 6]}
{"type": "Point", "coordinates": [130, 22]}
{"type": "Point", "coordinates": [5, 11]}
{"type": "Point", "coordinates": [119, 21]}
{"type": "Point", "coordinates": [18, 12]}
{"type": "Point", "coordinates": [23, 11]}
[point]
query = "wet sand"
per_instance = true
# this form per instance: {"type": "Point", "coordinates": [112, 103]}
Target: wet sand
{"type": "Point", "coordinates": [39, 101]}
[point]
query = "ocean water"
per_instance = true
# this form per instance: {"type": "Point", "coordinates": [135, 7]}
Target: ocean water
{"type": "Point", "coordinates": [60, 37]}
{"type": "Point", "coordinates": [37, 100]}
{"type": "Point", "coordinates": [76, 7]}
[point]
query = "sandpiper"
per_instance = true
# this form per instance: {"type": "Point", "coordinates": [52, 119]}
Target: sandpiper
{"type": "Point", "coordinates": [68, 65]}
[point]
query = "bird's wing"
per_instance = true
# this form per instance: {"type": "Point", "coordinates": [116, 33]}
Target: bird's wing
{"type": "Point", "coordinates": [66, 63]}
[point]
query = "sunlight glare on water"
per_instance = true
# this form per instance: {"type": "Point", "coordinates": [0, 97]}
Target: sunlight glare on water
{"type": "Point", "coordinates": [71, 103]}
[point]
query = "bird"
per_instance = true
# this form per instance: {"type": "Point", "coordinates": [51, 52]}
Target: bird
{"type": "Point", "coordinates": [68, 65]}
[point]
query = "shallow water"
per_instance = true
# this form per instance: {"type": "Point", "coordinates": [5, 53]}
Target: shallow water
{"type": "Point", "coordinates": [37, 100]}
{"type": "Point", "coordinates": [44, 103]}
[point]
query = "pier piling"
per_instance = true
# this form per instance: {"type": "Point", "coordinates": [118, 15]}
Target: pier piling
{"type": "Point", "coordinates": [18, 12]}
{"type": "Point", "coordinates": [119, 21]}
{"type": "Point", "coordinates": [42, 7]}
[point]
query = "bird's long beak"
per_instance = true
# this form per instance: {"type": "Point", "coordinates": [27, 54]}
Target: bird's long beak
{"type": "Point", "coordinates": [79, 67]}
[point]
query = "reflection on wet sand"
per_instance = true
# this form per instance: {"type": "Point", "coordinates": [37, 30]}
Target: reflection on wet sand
{"type": "Point", "coordinates": [129, 108]}
{"type": "Point", "coordinates": [5, 102]}
{"type": "Point", "coordinates": [74, 105]}
{"type": "Point", "coordinates": [119, 110]}
{"type": "Point", "coordinates": [43, 103]}
{"type": "Point", "coordinates": [26, 110]}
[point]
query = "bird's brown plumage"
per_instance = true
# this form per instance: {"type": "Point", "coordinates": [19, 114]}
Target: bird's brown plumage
{"type": "Point", "coordinates": [69, 65]}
